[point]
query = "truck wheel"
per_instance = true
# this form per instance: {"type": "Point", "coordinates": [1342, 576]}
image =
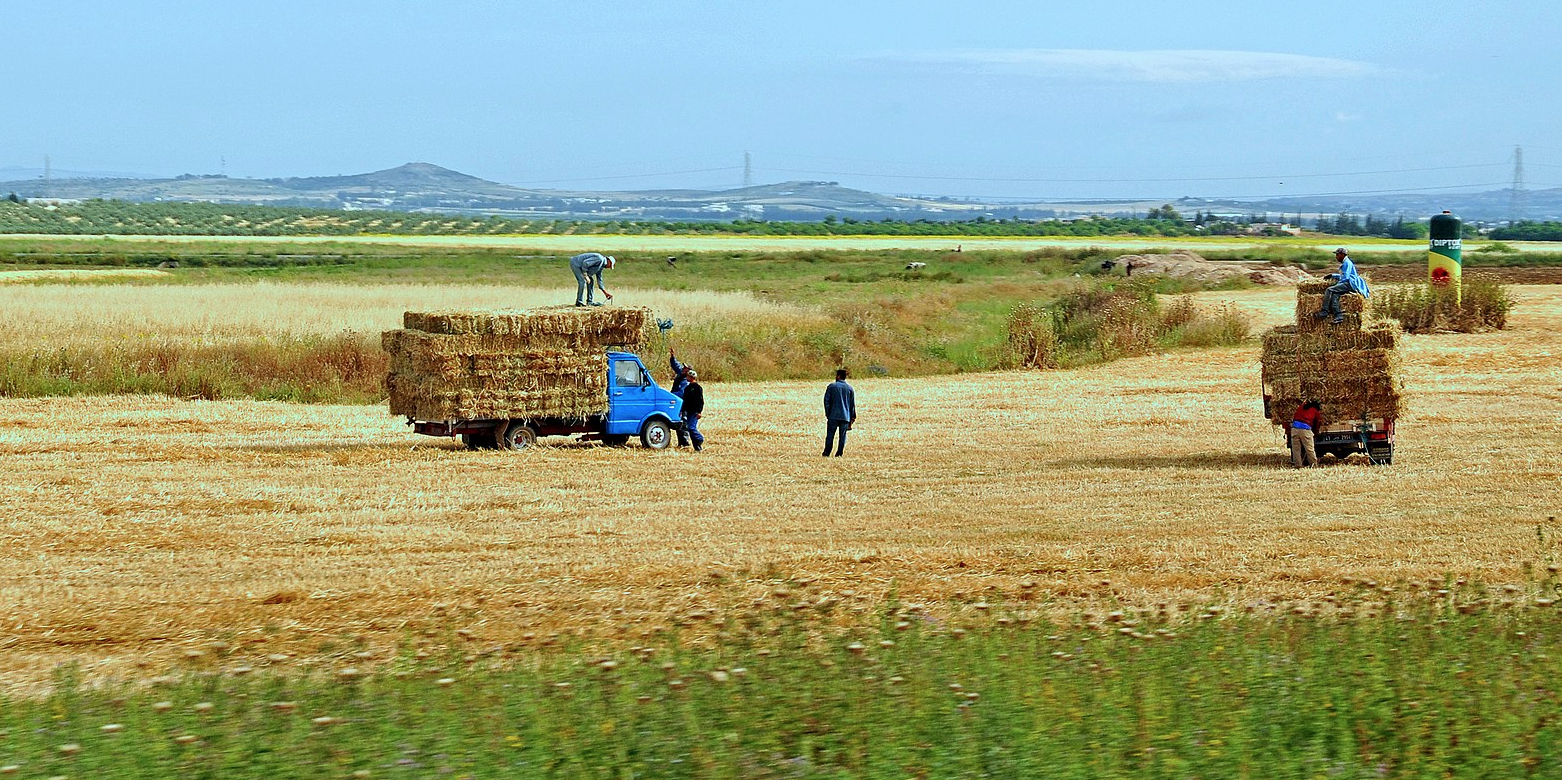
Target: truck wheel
{"type": "Point", "coordinates": [519, 436]}
{"type": "Point", "coordinates": [656, 435]}
{"type": "Point", "coordinates": [615, 439]}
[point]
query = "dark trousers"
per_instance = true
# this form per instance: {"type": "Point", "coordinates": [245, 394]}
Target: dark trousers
{"type": "Point", "coordinates": [834, 426]}
{"type": "Point", "coordinates": [691, 428]}
{"type": "Point", "coordinates": [1331, 299]}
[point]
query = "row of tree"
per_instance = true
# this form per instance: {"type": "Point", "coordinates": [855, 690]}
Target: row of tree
{"type": "Point", "coordinates": [1351, 225]}
{"type": "Point", "coordinates": [1528, 231]}
{"type": "Point", "coordinates": [108, 217]}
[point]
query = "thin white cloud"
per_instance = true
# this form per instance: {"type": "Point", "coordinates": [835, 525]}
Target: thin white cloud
{"type": "Point", "coordinates": [1179, 66]}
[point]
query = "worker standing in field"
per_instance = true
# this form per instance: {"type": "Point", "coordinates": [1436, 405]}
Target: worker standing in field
{"type": "Point", "coordinates": [588, 267]}
{"type": "Point", "coordinates": [680, 381]}
{"type": "Point", "coordinates": [1304, 425]}
{"type": "Point", "coordinates": [840, 412]}
{"type": "Point", "coordinates": [1348, 281]}
{"type": "Point", "coordinates": [693, 407]}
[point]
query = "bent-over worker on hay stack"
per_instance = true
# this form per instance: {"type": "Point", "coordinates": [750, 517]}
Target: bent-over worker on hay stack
{"type": "Point", "coordinates": [588, 267]}
{"type": "Point", "coordinates": [1348, 281]}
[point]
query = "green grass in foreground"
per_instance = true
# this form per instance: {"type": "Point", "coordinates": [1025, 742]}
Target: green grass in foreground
{"type": "Point", "coordinates": [1446, 681]}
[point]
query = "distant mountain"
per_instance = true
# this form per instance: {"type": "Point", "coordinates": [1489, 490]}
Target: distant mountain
{"type": "Point", "coordinates": [431, 188]}
{"type": "Point", "coordinates": [427, 187]}
{"type": "Point", "coordinates": [412, 177]}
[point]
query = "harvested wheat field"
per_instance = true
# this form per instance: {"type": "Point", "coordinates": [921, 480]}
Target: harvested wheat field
{"type": "Point", "coordinates": [140, 529]}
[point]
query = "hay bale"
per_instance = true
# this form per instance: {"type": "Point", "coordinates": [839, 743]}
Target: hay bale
{"type": "Point", "coordinates": [561, 325]}
{"type": "Point", "coordinates": [1288, 339]}
{"type": "Point", "coordinates": [1313, 286]}
{"type": "Point", "coordinates": [1352, 307]}
{"type": "Point", "coordinates": [1378, 335]}
{"type": "Point", "coordinates": [1376, 362]}
{"type": "Point", "coordinates": [1309, 303]}
{"type": "Point", "coordinates": [1352, 371]}
{"type": "Point", "coordinates": [544, 363]}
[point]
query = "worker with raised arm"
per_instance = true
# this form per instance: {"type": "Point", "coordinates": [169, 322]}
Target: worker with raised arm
{"type": "Point", "coordinates": [1347, 281]}
{"type": "Point", "coordinates": [588, 267]}
{"type": "Point", "coordinates": [680, 381]}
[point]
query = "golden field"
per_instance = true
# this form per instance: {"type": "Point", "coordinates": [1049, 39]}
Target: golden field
{"type": "Point", "coordinates": [138, 528]}
{"type": "Point", "coordinates": [56, 315]}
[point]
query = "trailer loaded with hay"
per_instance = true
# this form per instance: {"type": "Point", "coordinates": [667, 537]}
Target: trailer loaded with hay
{"type": "Point", "coordinates": [501, 379]}
{"type": "Point", "coordinates": [1351, 369]}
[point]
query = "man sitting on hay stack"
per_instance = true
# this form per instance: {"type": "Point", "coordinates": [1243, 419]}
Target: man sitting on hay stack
{"type": "Point", "coordinates": [1348, 281]}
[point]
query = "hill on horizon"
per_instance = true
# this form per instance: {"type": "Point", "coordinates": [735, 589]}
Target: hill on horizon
{"type": "Point", "coordinates": [421, 186]}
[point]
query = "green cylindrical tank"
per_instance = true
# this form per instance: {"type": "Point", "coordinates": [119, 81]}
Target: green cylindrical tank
{"type": "Point", "coordinates": [1445, 254]}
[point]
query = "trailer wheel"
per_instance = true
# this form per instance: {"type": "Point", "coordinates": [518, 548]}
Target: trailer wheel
{"type": "Point", "coordinates": [656, 435]}
{"type": "Point", "coordinates": [519, 436]}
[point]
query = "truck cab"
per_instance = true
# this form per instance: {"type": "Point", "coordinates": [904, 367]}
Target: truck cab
{"type": "Point", "coordinates": [636, 406]}
{"type": "Point", "coordinates": [634, 400]}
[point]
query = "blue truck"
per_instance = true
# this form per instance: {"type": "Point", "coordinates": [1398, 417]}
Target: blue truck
{"type": "Point", "coordinates": [636, 406]}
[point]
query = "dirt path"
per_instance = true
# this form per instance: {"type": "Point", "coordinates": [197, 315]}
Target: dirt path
{"type": "Point", "coordinates": [1397, 274]}
{"type": "Point", "coordinates": [134, 529]}
{"type": "Point", "coordinates": [81, 274]}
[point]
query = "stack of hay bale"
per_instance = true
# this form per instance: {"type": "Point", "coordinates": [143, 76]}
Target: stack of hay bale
{"type": "Point", "coordinates": [1351, 370]}
{"type": "Point", "coordinates": [538, 363]}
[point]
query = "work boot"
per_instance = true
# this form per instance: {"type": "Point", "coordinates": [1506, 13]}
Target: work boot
{"type": "Point", "coordinates": [593, 303]}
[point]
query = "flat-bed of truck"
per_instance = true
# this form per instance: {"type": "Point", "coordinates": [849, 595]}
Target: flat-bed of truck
{"type": "Point", "coordinates": [636, 406]}
{"type": "Point", "coordinates": [1373, 437]}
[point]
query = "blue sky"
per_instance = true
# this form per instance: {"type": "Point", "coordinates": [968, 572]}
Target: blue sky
{"type": "Point", "coordinates": [1016, 99]}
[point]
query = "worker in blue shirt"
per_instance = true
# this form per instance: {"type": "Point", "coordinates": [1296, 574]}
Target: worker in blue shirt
{"type": "Point", "coordinates": [680, 381]}
{"type": "Point", "coordinates": [588, 268]}
{"type": "Point", "coordinates": [840, 411]}
{"type": "Point", "coordinates": [1347, 281]}
{"type": "Point", "coordinates": [693, 408]}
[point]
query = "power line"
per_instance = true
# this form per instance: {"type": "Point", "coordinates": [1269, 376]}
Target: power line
{"type": "Point", "coordinates": [1419, 156]}
{"type": "Point", "coordinates": [633, 175]}
{"type": "Point", "coordinates": [1412, 191]}
{"type": "Point", "coordinates": [1268, 177]}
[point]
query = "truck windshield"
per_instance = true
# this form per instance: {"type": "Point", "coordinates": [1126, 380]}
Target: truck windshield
{"type": "Point", "coordinates": [628, 373]}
